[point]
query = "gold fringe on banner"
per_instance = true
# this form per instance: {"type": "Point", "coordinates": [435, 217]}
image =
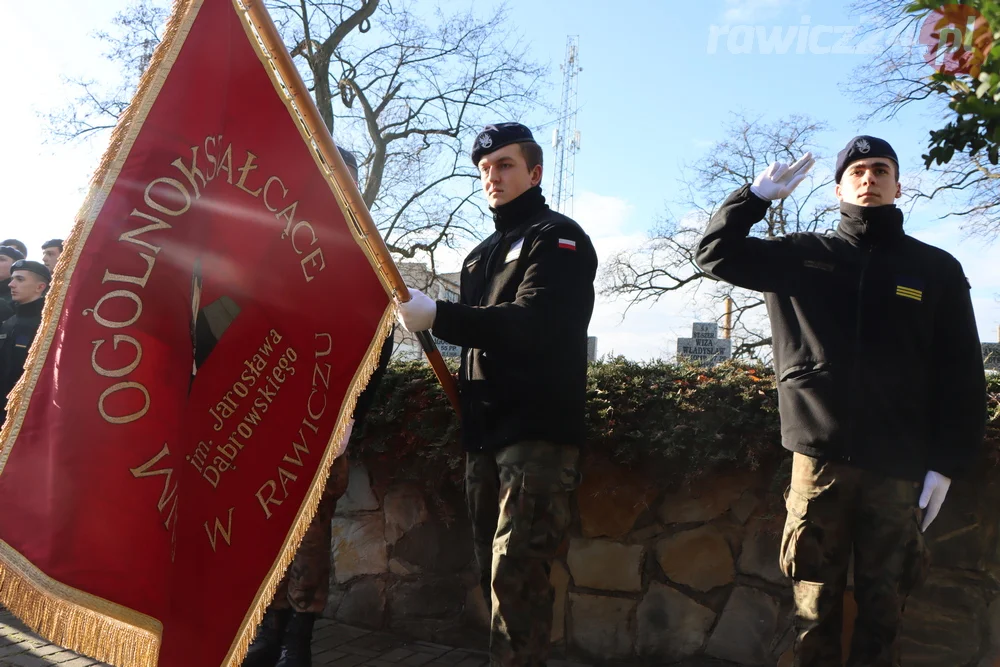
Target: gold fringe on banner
{"type": "Point", "coordinates": [69, 617]}
{"type": "Point", "coordinates": [74, 619]}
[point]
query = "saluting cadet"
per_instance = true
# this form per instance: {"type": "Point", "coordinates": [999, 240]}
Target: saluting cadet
{"type": "Point", "coordinates": [881, 392]}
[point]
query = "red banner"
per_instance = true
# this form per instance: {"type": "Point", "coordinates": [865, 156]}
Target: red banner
{"type": "Point", "coordinates": [207, 332]}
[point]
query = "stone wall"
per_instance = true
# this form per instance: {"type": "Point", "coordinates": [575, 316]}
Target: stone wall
{"type": "Point", "coordinates": [650, 575]}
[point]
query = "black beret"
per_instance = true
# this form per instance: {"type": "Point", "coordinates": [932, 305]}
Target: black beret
{"type": "Point", "coordinates": [53, 243]}
{"type": "Point", "coordinates": [351, 162]}
{"type": "Point", "coordinates": [861, 148]}
{"type": "Point", "coordinates": [349, 158]}
{"type": "Point", "coordinates": [11, 251]}
{"type": "Point", "coordinates": [495, 137]}
{"type": "Point", "coordinates": [34, 267]}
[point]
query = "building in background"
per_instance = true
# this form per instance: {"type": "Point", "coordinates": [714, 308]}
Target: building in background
{"type": "Point", "coordinates": [444, 287]}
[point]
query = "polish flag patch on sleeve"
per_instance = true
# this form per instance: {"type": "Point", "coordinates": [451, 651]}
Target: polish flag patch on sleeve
{"type": "Point", "coordinates": [567, 244]}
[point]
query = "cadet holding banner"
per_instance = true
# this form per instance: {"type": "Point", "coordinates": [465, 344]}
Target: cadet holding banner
{"type": "Point", "coordinates": [877, 437]}
{"type": "Point", "coordinates": [527, 294]}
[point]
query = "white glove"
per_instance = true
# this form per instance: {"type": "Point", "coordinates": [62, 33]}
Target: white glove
{"type": "Point", "coordinates": [932, 497]}
{"type": "Point", "coordinates": [418, 313]}
{"type": "Point", "coordinates": [778, 180]}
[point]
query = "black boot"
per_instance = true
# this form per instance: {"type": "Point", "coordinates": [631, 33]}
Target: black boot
{"type": "Point", "coordinates": [296, 647]}
{"type": "Point", "coordinates": [266, 647]}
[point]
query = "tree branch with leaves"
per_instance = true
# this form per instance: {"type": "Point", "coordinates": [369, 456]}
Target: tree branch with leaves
{"type": "Point", "coordinates": [962, 156]}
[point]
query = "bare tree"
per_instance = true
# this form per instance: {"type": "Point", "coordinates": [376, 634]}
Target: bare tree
{"type": "Point", "coordinates": [898, 77]}
{"type": "Point", "coordinates": [413, 95]}
{"type": "Point", "coordinates": [128, 44]}
{"type": "Point", "coordinates": [973, 185]}
{"type": "Point", "coordinates": [666, 262]}
{"type": "Point", "coordinates": [405, 89]}
{"type": "Point", "coordinates": [897, 74]}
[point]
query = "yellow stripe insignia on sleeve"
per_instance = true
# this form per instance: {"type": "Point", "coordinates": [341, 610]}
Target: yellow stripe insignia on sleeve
{"type": "Point", "coordinates": [909, 293]}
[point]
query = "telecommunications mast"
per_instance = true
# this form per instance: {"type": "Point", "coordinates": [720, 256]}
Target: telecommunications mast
{"type": "Point", "coordinates": [566, 138]}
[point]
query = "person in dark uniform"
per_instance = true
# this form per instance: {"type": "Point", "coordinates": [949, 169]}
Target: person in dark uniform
{"type": "Point", "coordinates": [527, 295]}
{"type": "Point", "coordinates": [17, 245]}
{"type": "Point", "coordinates": [285, 635]}
{"type": "Point", "coordinates": [8, 255]}
{"type": "Point", "coordinates": [28, 283]}
{"type": "Point", "coordinates": [51, 250]}
{"type": "Point", "coordinates": [865, 320]}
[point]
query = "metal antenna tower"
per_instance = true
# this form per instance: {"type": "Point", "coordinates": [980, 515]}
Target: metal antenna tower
{"type": "Point", "coordinates": [566, 138]}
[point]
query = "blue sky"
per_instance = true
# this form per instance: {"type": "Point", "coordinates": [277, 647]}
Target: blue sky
{"type": "Point", "coordinates": [652, 97]}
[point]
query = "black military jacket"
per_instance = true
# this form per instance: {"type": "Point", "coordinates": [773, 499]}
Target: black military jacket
{"type": "Point", "coordinates": [875, 341]}
{"type": "Point", "coordinates": [527, 294]}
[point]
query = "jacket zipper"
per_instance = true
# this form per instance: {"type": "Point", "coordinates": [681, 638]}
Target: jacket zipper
{"type": "Point", "coordinates": [856, 366]}
{"type": "Point", "coordinates": [482, 295]}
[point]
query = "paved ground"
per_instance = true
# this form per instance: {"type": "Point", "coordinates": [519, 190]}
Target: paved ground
{"type": "Point", "coordinates": [334, 645]}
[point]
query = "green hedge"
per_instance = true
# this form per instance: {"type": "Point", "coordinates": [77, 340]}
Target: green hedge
{"type": "Point", "coordinates": [676, 421]}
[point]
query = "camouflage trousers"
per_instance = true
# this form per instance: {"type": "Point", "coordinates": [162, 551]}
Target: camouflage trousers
{"type": "Point", "coordinates": [519, 502]}
{"type": "Point", "coordinates": [834, 509]}
{"type": "Point", "coordinates": [306, 584]}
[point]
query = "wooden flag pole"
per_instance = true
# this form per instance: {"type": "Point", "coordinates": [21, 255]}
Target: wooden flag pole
{"type": "Point", "coordinates": [361, 217]}
{"type": "Point", "coordinates": [727, 329]}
